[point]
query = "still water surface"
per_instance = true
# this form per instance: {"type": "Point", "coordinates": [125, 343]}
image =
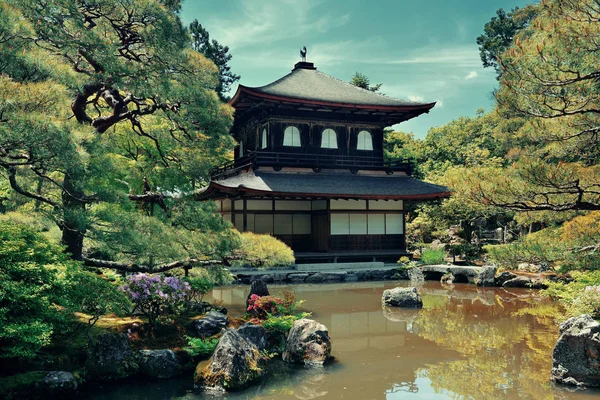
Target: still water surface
{"type": "Point", "coordinates": [466, 343]}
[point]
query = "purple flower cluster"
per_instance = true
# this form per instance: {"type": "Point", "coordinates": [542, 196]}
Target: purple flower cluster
{"type": "Point", "coordinates": [156, 295]}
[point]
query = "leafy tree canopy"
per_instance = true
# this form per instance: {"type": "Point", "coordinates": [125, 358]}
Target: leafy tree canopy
{"type": "Point", "coordinates": [499, 32]}
{"type": "Point", "coordinates": [218, 54]}
{"type": "Point", "coordinates": [108, 120]}
{"type": "Point", "coordinates": [362, 81]}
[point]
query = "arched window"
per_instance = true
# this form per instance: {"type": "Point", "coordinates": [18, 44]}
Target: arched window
{"type": "Point", "coordinates": [263, 139]}
{"type": "Point", "coordinates": [365, 141]}
{"type": "Point", "coordinates": [291, 137]}
{"type": "Point", "coordinates": [329, 139]}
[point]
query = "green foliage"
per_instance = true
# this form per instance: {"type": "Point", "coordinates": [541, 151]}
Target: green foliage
{"type": "Point", "coordinates": [536, 248]}
{"type": "Point", "coordinates": [40, 287]}
{"type": "Point", "coordinates": [582, 296]}
{"type": "Point", "coordinates": [499, 33]}
{"type": "Point", "coordinates": [362, 81]}
{"type": "Point", "coordinates": [262, 251]}
{"type": "Point", "coordinates": [98, 137]}
{"type": "Point", "coordinates": [218, 54]}
{"type": "Point", "coordinates": [432, 256]}
{"type": "Point", "coordinates": [282, 323]}
{"type": "Point", "coordinates": [200, 347]}
{"type": "Point", "coordinates": [199, 286]}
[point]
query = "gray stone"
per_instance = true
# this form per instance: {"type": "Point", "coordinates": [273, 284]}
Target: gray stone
{"type": "Point", "coordinates": [267, 278]}
{"type": "Point", "coordinates": [234, 364]}
{"type": "Point", "coordinates": [402, 297]}
{"type": "Point", "coordinates": [415, 274]}
{"type": "Point", "coordinates": [297, 277]}
{"type": "Point", "coordinates": [576, 356]}
{"type": "Point", "coordinates": [338, 276]}
{"type": "Point", "coordinates": [351, 277]}
{"type": "Point", "coordinates": [110, 358]}
{"type": "Point", "coordinates": [503, 277]}
{"type": "Point", "coordinates": [315, 278]}
{"type": "Point", "coordinates": [525, 282]}
{"type": "Point", "coordinates": [59, 384]}
{"type": "Point", "coordinates": [486, 276]}
{"type": "Point", "coordinates": [210, 325]}
{"type": "Point", "coordinates": [159, 363]}
{"type": "Point", "coordinates": [308, 343]}
{"type": "Point", "coordinates": [255, 334]}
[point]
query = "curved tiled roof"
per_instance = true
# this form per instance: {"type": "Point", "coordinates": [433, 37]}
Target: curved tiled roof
{"type": "Point", "coordinates": [326, 184]}
{"type": "Point", "coordinates": [314, 86]}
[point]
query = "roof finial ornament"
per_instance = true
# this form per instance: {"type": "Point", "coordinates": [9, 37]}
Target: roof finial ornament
{"type": "Point", "coordinates": [303, 53]}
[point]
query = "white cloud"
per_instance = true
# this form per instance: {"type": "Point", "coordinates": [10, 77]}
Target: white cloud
{"type": "Point", "coordinates": [472, 75]}
{"type": "Point", "coordinates": [439, 103]}
{"type": "Point", "coordinates": [415, 98]}
{"type": "Point", "coordinates": [264, 22]}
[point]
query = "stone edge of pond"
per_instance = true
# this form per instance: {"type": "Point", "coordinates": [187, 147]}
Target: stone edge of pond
{"type": "Point", "coordinates": [480, 276]}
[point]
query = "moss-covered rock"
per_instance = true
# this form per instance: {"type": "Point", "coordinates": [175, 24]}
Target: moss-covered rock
{"type": "Point", "coordinates": [234, 364]}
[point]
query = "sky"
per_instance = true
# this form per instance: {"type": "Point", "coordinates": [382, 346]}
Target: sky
{"type": "Point", "coordinates": [419, 50]}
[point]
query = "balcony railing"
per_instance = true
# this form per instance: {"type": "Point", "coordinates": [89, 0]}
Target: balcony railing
{"type": "Point", "coordinates": [317, 162]}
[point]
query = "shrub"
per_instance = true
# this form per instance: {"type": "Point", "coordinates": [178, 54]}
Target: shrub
{"type": "Point", "coordinates": [582, 296]}
{"type": "Point", "coordinates": [282, 323]}
{"type": "Point", "coordinates": [40, 287]}
{"type": "Point", "coordinates": [540, 247]}
{"type": "Point", "coordinates": [432, 256]}
{"type": "Point", "coordinates": [264, 306]}
{"type": "Point", "coordinates": [200, 347]}
{"type": "Point", "coordinates": [262, 251]}
{"type": "Point", "coordinates": [156, 296]}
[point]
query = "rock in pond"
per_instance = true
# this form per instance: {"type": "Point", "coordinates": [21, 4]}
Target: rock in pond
{"type": "Point", "coordinates": [486, 276]}
{"type": "Point", "coordinates": [234, 364]}
{"type": "Point", "coordinates": [255, 334]}
{"type": "Point", "coordinates": [259, 288]}
{"type": "Point", "coordinates": [60, 384]}
{"type": "Point", "coordinates": [159, 363]}
{"type": "Point", "coordinates": [504, 277]}
{"type": "Point", "coordinates": [110, 358]}
{"type": "Point", "coordinates": [211, 324]}
{"type": "Point", "coordinates": [576, 356]}
{"type": "Point", "coordinates": [522, 281]}
{"type": "Point", "coordinates": [402, 297]}
{"type": "Point", "coordinates": [308, 343]}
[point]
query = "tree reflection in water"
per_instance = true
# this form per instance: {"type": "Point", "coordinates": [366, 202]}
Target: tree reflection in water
{"type": "Point", "coordinates": [507, 340]}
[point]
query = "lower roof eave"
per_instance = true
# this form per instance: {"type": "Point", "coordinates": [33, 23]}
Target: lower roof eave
{"type": "Point", "coordinates": [216, 191]}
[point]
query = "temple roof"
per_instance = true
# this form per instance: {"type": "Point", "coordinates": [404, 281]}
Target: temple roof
{"type": "Point", "coordinates": [330, 184]}
{"type": "Point", "coordinates": [306, 84]}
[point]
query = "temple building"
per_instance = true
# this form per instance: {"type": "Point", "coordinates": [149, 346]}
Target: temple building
{"type": "Point", "coordinates": [310, 168]}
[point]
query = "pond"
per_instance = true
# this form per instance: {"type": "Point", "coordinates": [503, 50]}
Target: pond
{"type": "Point", "coordinates": [467, 342]}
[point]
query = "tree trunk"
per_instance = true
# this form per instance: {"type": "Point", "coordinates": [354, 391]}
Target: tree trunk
{"type": "Point", "coordinates": [73, 225]}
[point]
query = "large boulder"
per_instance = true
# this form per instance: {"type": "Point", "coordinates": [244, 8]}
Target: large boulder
{"type": "Point", "coordinates": [523, 281]}
{"type": "Point", "coordinates": [59, 384]}
{"type": "Point", "coordinates": [504, 277]}
{"type": "Point", "coordinates": [234, 364]}
{"type": "Point", "coordinates": [159, 363]}
{"type": "Point", "coordinates": [308, 343]}
{"type": "Point", "coordinates": [111, 357]}
{"type": "Point", "coordinates": [576, 356]}
{"type": "Point", "coordinates": [210, 325]}
{"type": "Point", "coordinates": [486, 276]}
{"type": "Point", "coordinates": [402, 297]}
{"type": "Point", "coordinates": [255, 334]}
